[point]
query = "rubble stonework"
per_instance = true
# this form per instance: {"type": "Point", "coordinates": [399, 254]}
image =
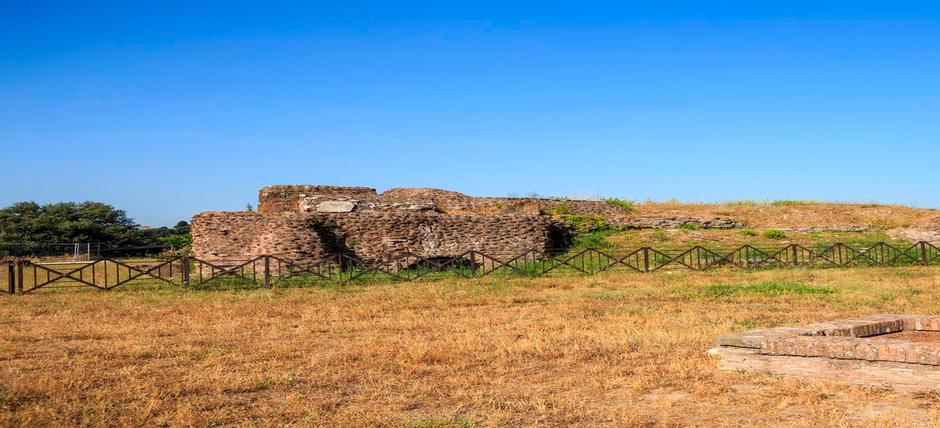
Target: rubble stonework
{"type": "Point", "coordinates": [305, 223]}
{"type": "Point", "coordinates": [308, 238]}
{"type": "Point", "coordinates": [298, 198]}
{"type": "Point", "coordinates": [671, 222]}
{"type": "Point", "coordinates": [288, 198]}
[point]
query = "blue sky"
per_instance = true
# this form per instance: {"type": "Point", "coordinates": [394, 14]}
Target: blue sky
{"type": "Point", "coordinates": [167, 109]}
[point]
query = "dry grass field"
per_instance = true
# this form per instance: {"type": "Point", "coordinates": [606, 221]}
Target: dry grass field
{"type": "Point", "coordinates": [787, 213]}
{"type": "Point", "coordinates": [615, 350]}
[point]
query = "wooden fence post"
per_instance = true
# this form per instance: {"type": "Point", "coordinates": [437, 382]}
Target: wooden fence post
{"type": "Point", "coordinates": [19, 276]}
{"type": "Point", "coordinates": [184, 272]}
{"type": "Point", "coordinates": [267, 271]}
{"type": "Point", "coordinates": [11, 277]}
{"type": "Point", "coordinates": [646, 259]}
{"type": "Point", "coordinates": [473, 264]}
{"type": "Point", "coordinates": [923, 253]}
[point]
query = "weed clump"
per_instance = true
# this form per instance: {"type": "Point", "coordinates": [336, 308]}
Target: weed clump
{"type": "Point", "coordinates": [748, 232]}
{"type": "Point", "coordinates": [626, 204]}
{"type": "Point", "coordinates": [559, 209]}
{"type": "Point", "coordinates": [586, 223]}
{"type": "Point", "coordinates": [774, 234]}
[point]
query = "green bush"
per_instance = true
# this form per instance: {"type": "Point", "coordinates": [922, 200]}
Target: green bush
{"type": "Point", "coordinates": [689, 226]}
{"type": "Point", "coordinates": [585, 223]}
{"type": "Point", "coordinates": [774, 234]}
{"type": "Point", "coordinates": [560, 209]}
{"type": "Point", "coordinates": [748, 232]}
{"type": "Point", "coordinates": [626, 204]}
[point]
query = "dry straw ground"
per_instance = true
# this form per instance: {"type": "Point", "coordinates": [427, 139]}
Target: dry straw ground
{"type": "Point", "coordinates": [619, 350]}
{"type": "Point", "coordinates": [787, 213]}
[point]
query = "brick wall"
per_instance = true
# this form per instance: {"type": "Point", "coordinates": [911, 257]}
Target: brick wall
{"type": "Point", "coordinates": [864, 350]}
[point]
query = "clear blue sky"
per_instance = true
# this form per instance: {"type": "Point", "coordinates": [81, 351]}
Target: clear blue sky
{"type": "Point", "coordinates": [167, 109]}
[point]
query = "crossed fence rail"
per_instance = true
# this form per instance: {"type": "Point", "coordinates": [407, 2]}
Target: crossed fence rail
{"type": "Point", "coordinates": [26, 276]}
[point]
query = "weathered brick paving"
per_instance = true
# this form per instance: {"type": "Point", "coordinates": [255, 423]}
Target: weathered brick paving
{"type": "Point", "coordinates": [852, 350]}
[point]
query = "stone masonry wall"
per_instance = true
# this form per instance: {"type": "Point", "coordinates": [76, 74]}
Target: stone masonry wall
{"type": "Point", "coordinates": [377, 234]}
{"type": "Point", "coordinates": [238, 236]}
{"type": "Point", "coordinates": [304, 222]}
{"type": "Point", "coordinates": [303, 198]}
{"type": "Point", "coordinates": [289, 198]}
{"type": "Point", "coordinates": [307, 238]}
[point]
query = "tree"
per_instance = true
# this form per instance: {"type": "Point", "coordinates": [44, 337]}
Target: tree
{"type": "Point", "coordinates": [94, 222]}
{"type": "Point", "coordinates": [177, 236]}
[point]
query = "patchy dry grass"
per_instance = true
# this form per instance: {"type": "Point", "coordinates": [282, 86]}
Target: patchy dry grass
{"type": "Point", "coordinates": [797, 213]}
{"type": "Point", "coordinates": [618, 350]}
{"type": "Point", "coordinates": [712, 238]}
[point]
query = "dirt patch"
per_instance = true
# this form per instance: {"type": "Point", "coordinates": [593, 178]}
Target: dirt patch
{"type": "Point", "coordinates": [928, 230]}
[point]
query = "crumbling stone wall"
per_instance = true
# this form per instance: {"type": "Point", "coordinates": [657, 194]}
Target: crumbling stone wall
{"type": "Point", "coordinates": [293, 199]}
{"type": "Point", "coordinates": [299, 198]}
{"type": "Point", "coordinates": [236, 236]}
{"type": "Point", "coordinates": [672, 222]}
{"type": "Point", "coordinates": [552, 206]}
{"type": "Point", "coordinates": [373, 235]}
{"type": "Point", "coordinates": [445, 200]}
{"type": "Point", "coordinates": [305, 223]}
{"type": "Point", "coordinates": [307, 238]}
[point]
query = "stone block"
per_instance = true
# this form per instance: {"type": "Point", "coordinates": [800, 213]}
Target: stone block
{"type": "Point", "coordinates": [336, 206]}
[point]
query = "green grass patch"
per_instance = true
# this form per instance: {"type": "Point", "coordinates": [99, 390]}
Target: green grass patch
{"type": "Point", "coordinates": [774, 234]}
{"type": "Point", "coordinates": [748, 232]}
{"type": "Point", "coordinates": [585, 223]}
{"type": "Point", "coordinates": [768, 288]}
{"type": "Point", "coordinates": [626, 204]}
{"type": "Point", "coordinates": [562, 208]}
{"type": "Point", "coordinates": [689, 226]}
{"type": "Point", "coordinates": [596, 239]}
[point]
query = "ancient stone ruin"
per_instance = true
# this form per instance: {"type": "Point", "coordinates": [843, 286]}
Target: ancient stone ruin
{"type": "Point", "coordinates": [898, 351]}
{"type": "Point", "coordinates": [306, 224]}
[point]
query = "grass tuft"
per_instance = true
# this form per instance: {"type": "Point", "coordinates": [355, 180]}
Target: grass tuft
{"type": "Point", "coordinates": [626, 204]}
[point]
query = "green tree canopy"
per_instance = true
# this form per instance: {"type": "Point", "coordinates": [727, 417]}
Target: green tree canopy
{"type": "Point", "coordinates": [95, 222]}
